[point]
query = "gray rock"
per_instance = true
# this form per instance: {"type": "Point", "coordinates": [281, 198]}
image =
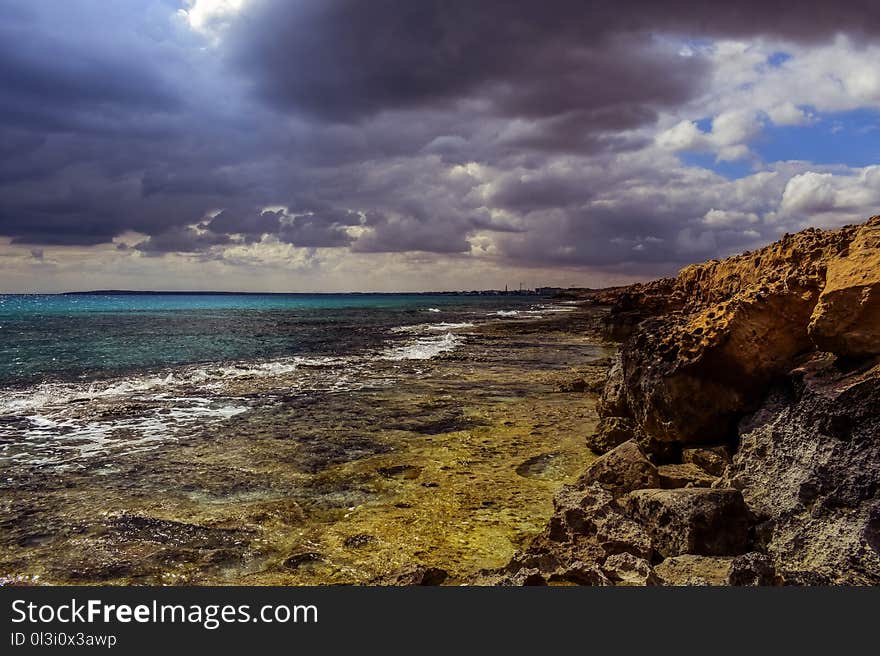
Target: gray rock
{"type": "Point", "coordinates": [808, 464]}
{"type": "Point", "coordinates": [752, 569]}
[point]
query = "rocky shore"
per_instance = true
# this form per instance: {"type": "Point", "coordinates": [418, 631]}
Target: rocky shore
{"type": "Point", "coordinates": [739, 428]}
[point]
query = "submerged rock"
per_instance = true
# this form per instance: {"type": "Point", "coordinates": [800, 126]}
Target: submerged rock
{"type": "Point", "coordinates": [413, 575]}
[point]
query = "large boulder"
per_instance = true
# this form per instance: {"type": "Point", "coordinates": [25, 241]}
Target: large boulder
{"type": "Point", "coordinates": [846, 320]}
{"type": "Point", "coordinates": [711, 522]}
{"type": "Point", "coordinates": [623, 469]}
{"type": "Point", "coordinates": [808, 465]}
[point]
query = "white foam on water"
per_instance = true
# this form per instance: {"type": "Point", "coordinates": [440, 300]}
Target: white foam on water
{"type": "Point", "coordinates": [433, 309]}
{"type": "Point", "coordinates": [449, 326]}
{"type": "Point", "coordinates": [51, 423]}
{"type": "Point", "coordinates": [423, 348]}
{"type": "Point", "coordinates": [507, 313]}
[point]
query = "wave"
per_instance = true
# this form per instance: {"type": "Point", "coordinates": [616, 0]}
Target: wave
{"type": "Point", "coordinates": [423, 348]}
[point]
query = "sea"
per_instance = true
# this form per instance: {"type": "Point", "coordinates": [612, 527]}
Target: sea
{"type": "Point", "coordinates": [81, 374]}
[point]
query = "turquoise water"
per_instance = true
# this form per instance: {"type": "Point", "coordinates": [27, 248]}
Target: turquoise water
{"type": "Point", "coordinates": [80, 337]}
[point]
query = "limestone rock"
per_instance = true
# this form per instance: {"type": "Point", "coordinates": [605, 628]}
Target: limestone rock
{"type": "Point", "coordinates": [623, 469]}
{"type": "Point", "coordinates": [687, 570]}
{"type": "Point", "coordinates": [580, 573]}
{"type": "Point", "coordinates": [711, 459]}
{"type": "Point", "coordinates": [610, 432]}
{"type": "Point", "coordinates": [720, 333]}
{"type": "Point", "coordinates": [683, 475]}
{"type": "Point", "coordinates": [846, 320]}
{"type": "Point", "coordinates": [751, 569]}
{"type": "Point", "coordinates": [612, 403]}
{"type": "Point", "coordinates": [712, 522]}
{"type": "Point", "coordinates": [626, 569]}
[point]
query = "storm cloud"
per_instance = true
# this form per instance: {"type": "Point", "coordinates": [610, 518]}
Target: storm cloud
{"type": "Point", "coordinates": [529, 134]}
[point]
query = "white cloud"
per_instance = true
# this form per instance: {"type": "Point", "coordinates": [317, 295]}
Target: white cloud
{"type": "Point", "coordinates": [727, 138]}
{"type": "Point", "coordinates": [832, 199]}
{"type": "Point", "coordinates": [210, 16]}
{"type": "Point", "coordinates": [729, 218]}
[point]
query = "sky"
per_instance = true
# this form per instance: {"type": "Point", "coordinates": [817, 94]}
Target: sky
{"type": "Point", "coordinates": [405, 145]}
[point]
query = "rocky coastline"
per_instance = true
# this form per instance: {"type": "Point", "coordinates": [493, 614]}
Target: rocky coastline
{"type": "Point", "coordinates": [739, 428]}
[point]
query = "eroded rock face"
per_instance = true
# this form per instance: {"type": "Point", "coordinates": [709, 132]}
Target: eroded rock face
{"type": "Point", "coordinates": [708, 351]}
{"type": "Point", "coordinates": [610, 432]}
{"type": "Point", "coordinates": [626, 569]}
{"type": "Point", "coordinates": [711, 522]}
{"type": "Point", "coordinates": [809, 466]}
{"type": "Point", "coordinates": [623, 469]}
{"type": "Point", "coordinates": [846, 320]}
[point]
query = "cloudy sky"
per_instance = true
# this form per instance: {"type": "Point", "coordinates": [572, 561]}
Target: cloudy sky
{"type": "Point", "coordinates": [330, 145]}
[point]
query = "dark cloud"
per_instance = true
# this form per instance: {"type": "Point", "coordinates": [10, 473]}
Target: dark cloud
{"type": "Point", "coordinates": [182, 240]}
{"type": "Point", "coordinates": [342, 60]}
{"type": "Point", "coordinates": [326, 229]}
{"type": "Point", "coordinates": [351, 114]}
{"type": "Point", "coordinates": [253, 224]}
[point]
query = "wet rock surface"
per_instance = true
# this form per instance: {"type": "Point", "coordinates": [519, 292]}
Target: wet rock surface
{"type": "Point", "coordinates": [447, 464]}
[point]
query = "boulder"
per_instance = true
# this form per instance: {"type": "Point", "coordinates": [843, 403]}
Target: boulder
{"type": "Point", "coordinates": [846, 320]}
{"type": "Point", "coordinates": [610, 432]}
{"type": "Point", "coordinates": [711, 522]}
{"type": "Point", "coordinates": [580, 573]}
{"type": "Point", "coordinates": [626, 569]}
{"type": "Point", "coordinates": [589, 523]}
{"type": "Point", "coordinates": [711, 459]}
{"type": "Point", "coordinates": [808, 465]}
{"type": "Point", "coordinates": [751, 569]}
{"type": "Point", "coordinates": [623, 469]}
{"type": "Point", "coordinates": [690, 570]}
{"type": "Point", "coordinates": [684, 475]}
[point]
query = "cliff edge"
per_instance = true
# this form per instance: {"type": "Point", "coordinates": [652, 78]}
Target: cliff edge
{"type": "Point", "coordinates": [740, 427]}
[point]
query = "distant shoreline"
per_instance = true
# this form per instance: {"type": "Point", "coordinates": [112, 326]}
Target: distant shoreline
{"type": "Point", "coordinates": [123, 292]}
